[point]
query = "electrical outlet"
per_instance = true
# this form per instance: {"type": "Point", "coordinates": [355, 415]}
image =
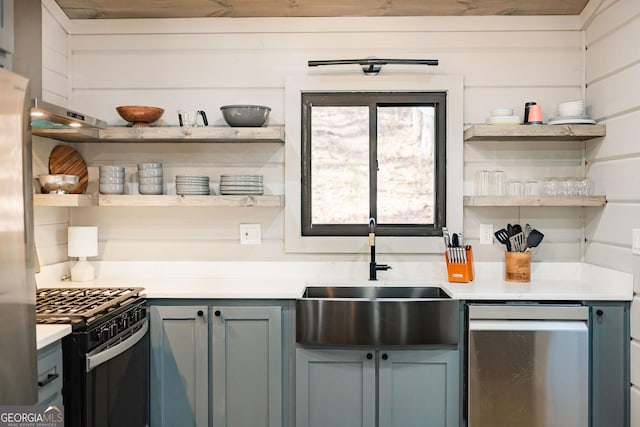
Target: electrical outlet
{"type": "Point", "coordinates": [635, 241]}
{"type": "Point", "coordinates": [250, 234]}
{"type": "Point", "coordinates": [486, 234]}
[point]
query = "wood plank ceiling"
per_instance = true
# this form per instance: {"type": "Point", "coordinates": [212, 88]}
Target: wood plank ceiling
{"type": "Point", "coordinates": [118, 9]}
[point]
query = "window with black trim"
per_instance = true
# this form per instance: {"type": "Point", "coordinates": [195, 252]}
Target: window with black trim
{"type": "Point", "coordinates": [375, 155]}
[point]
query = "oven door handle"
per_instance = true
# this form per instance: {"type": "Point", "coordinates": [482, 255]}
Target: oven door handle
{"type": "Point", "coordinates": [96, 360]}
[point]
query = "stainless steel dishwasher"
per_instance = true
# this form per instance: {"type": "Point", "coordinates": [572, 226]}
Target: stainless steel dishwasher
{"type": "Point", "coordinates": [528, 365]}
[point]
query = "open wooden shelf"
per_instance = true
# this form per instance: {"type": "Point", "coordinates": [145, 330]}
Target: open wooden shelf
{"type": "Point", "coordinates": [534, 201]}
{"type": "Point", "coordinates": [87, 200]}
{"type": "Point", "coordinates": [70, 200]}
{"type": "Point", "coordinates": [171, 134]}
{"type": "Point", "coordinates": [482, 132]}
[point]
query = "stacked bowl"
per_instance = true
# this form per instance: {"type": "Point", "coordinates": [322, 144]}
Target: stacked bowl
{"type": "Point", "coordinates": [150, 178]}
{"type": "Point", "coordinates": [111, 179]}
{"type": "Point", "coordinates": [194, 185]}
{"type": "Point", "coordinates": [572, 112]}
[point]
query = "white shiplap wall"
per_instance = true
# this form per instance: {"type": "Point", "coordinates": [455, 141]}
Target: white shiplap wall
{"type": "Point", "coordinates": [613, 88]}
{"type": "Point", "coordinates": [206, 63]}
{"type": "Point", "coordinates": [51, 223]}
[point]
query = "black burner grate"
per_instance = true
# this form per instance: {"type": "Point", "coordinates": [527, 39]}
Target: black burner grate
{"type": "Point", "coordinates": [80, 303]}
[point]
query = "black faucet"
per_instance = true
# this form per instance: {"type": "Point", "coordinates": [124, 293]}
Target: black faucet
{"type": "Point", "coordinates": [373, 267]}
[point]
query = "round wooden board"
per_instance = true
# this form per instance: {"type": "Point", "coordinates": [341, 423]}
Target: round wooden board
{"type": "Point", "coordinates": [66, 160]}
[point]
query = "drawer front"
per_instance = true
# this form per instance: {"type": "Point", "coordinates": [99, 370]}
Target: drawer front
{"type": "Point", "coordinates": [50, 374]}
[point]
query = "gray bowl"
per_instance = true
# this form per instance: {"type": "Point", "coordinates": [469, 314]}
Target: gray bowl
{"type": "Point", "coordinates": [245, 115]}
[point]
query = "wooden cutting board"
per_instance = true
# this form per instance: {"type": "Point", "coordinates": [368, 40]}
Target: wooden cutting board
{"type": "Point", "coordinates": [66, 160]}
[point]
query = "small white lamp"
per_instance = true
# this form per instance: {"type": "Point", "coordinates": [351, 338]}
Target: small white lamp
{"type": "Point", "coordinates": [82, 243]}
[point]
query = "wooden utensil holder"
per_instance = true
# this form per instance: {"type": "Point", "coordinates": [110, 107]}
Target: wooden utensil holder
{"type": "Point", "coordinates": [517, 267]}
{"type": "Point", "coordinates": [460, 272]}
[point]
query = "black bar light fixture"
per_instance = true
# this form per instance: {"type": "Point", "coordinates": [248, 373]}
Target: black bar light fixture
{"type": "Point", "coordinates": [372, 66]}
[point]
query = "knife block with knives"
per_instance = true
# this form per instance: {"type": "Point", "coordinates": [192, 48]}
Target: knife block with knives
{"type": "Point", "coordinates": [459, 258]}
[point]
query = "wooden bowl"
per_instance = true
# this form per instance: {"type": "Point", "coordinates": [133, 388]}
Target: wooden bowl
{"type": "Point", "coordinates": [139, 115]}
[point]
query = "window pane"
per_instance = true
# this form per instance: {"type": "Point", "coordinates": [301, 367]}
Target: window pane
{"type": "Point", "coordinates": [340, 165]}
{"type": "Point", "coordinates": [406, 182]}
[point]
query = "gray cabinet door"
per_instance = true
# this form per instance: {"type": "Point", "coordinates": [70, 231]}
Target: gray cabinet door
{"type": "Point", "coordinates": [609, 365]}
{"type": "Point", "coordinates": [335, 388]}
{"type": "Point", "coordinates": [50, 375]}
{"type": "Point", "coordinates": [419, 388]}
{"type": "Point", "coordinates": [246, 366]}
{"type": "Point", "coordinates": [179, 376]}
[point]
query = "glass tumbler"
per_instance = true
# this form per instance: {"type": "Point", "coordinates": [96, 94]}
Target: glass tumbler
{"type": "Point", "coordinates": [482, 182]}
{"type": "Point", "coordinates": [496, 183]}
{"type": "Point", "coordinates": [514, 187]}
{"type": "Point", "coordinates": [531, 187]}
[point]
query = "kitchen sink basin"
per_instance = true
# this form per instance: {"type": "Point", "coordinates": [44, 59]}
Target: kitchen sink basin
{"type": "Point", "coordinates": [374, 292]}
{"type": "Point", "coordinates": [377, 316]}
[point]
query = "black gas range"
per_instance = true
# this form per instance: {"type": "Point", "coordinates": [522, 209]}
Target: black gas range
{"type": "Point", "coordinates": [105, 358]}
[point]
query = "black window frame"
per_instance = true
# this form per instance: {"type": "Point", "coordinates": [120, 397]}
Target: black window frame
{"type": "Point", "coordinates": [373, 99]}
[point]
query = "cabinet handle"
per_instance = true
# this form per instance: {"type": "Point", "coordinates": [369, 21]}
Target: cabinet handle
{"type": "Point", "coordinates": [217, 313]}
{"type": "Point", "coordinates": [599, 312]}
{"type": "Point", "coordinates": [50, 378]}
{"type": "Point", "coordinates": [385, 356]}
{"type": "Point", "coordinates": [200, 313]}
{"type": "Point", "coordinates": [369, 356]}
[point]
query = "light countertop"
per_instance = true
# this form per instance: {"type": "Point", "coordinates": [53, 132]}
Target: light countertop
{"type": "Point", "coordinates": [48, 334]}
{"type": "Point", "coordinates": [568, 281]}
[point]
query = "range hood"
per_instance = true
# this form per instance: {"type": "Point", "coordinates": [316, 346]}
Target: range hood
{"type": "Point", "coordinates": [27, 61]}
{"type": "Point", "coordinates": [45, 115]}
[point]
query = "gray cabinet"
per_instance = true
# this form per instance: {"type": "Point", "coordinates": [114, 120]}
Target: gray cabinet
{"type": "Point", "coordinates": [412, 387]}
{"type": "Point", "coordinates": [610, 364]}
{"type": "Point", "coordinates": [179, 366]}
{"type": "Point", "coordinates": [246, 345]}
{"type": "Point", "coordinates": [335, 388]}
{"type": "Point", "coordinates": [419, 388]}
{"type": "Point", "coordinates": [50, 375]}
{"type": "Point", "coordinates": [216, 365]}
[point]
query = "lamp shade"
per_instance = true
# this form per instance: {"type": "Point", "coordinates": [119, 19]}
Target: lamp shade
{"type": "Point", "coordinates": [83, 241]}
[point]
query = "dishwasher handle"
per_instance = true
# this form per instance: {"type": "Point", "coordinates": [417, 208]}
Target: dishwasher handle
{"type": "Point", "coordinates": [528, 325]}
{"type": "Point", "coordinates": [528, 312]}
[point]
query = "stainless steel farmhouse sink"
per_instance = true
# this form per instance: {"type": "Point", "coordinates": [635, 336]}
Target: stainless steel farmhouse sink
{"type": "Point", "coordinates": [376, 316]}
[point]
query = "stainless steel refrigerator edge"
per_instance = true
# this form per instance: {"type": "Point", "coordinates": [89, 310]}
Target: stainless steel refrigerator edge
{"type": "Point", "coordinates": [18, 371]}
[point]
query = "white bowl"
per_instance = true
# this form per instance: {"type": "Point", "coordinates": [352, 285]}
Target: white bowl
{"type": "Point", "coordinates": [111, 188]}
{"type": "Point", "coordinates": [111, 179]}
{"type": "Point", "coordinates": [150, 189]}
{"type": "Point", "coordinates": [155, 180]}
{"type": "Point", "coordinates": [571, 108]}
{"type": "Point", "coordinates": [142, 166]}
{"type": "Point", "coordinates": [111, 169]}
{"type": "Point", "coordinates": [150, 173]}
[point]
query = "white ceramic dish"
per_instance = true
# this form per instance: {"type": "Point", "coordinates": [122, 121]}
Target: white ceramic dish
{"type": "Point", "coordinates": [142, 166]}
{"type": "Point", "coordinates": [111, 180]}
{"type": "Point", "coordinates": [111, 169]}
{"type": "Point", "coordinates": [148, 173]}
{"type": "Point", "coordinates": [153, 180]}
{"type": "Point", "coordinates": [150, 189]}
{"type": "Point", "coordinates": [571, 121]}
{"type": "Point", "coordinates": [111, 188]}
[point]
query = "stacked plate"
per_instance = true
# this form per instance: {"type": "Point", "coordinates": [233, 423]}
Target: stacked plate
{"type": "Point", "coordinates": [194, 185]}
{"type": "Point", "coordinates": [241, 184]}
{"type": "Point", "coordinates": [111, 179]}
{"type": "Point", "coordinates": [150, 178]}
{"type": "Point", "coordinates": [572, 112]}
{"type": "Point", "coordinates": [503, 116]}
